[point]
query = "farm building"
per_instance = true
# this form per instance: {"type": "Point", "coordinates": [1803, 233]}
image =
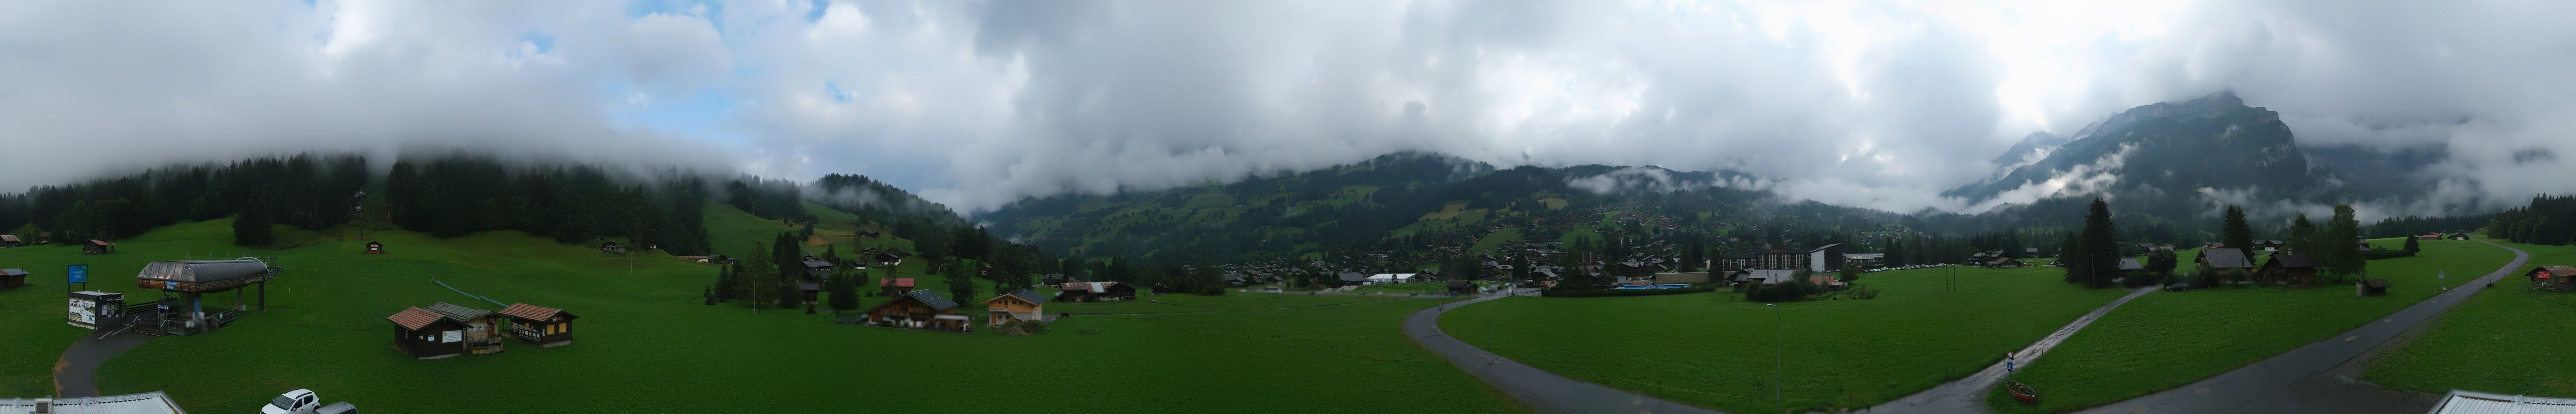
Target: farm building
{"type": "Point", "coordinates": [11, 241]}
{"type": "Point", "coordinates": [482, 327]}
{"type": "Point", "coordinates": [2430, 236]}
{"type": "Point", "coordinates": [95, 246]}
{"type": "Point", "coordinates": [2004, 263]}
{"type": "Point", "coordinates": [1094, 292]}
{"type": "Point", "coordinates": [145, 403]}
{"type": "Point", "coordinates": [1462, 287]}
{"type": "Point", "coordinates": [2472, 402]}
{"type": "Point", "coordinates": [611, 247]}
{"type": "Point", "coordinates": [698, 259]}
{"type": "Point", "coordinates": [894, 285]}
{"type": "Point", "coordinates": [375, 248]}
{"type": "Point", "coordinates": [2553, 278]}
{"type": "Point", "coordinates": [427, 335]}
{"type": "Point", "coordinates": [1160, 289]}
{"type": "Point", "coordinates": [12, 277]}
{"type": "Point", "coordinates": [544, 326]}
{"type": "Point", "coordinates": [2288, 268]}
{"type": "Point", "coordinates": [2225, 258]}
{"type": "Point", "coordinates": [2370, 286]}
{"type": "Point", "coordinates": [919, 309]}
{"type": "Point", "coordinates": [1020, 304]}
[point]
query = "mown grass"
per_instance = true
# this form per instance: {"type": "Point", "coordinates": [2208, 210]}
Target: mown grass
{"type": "Point", "coordinates": [2508, 339]}
{"type": "Point", "coordinates": [2164, 340]}
{"type": "Point", "coordinates": [1717, 350]}
{"type": "Point", "coordinates": [1187, 303]}
{"type": "Point", "coordinates": [645, 343]}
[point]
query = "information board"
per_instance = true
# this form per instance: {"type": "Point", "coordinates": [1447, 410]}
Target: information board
{"type": "Point", "coordinates": [79, 273]}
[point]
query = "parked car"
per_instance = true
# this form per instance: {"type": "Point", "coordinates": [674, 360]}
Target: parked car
{"type": "Point", "coordinates": [342, 407]}
{"type": "Point", "coordinates": [299, 401]}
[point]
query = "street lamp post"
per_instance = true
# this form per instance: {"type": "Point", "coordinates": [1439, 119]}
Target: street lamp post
{"type": "Point", "coordinates": [1778, 357]}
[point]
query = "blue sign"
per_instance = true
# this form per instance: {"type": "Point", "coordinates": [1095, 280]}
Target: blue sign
{"type": "Point", "coordinates": [79, 273]}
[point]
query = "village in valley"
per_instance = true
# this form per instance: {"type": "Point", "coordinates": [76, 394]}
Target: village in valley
{"type": "Point", "coordinates": [1260, 206]}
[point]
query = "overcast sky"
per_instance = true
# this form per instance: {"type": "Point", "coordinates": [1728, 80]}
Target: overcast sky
{"type": "Point", "coordinates": [1873, 104]}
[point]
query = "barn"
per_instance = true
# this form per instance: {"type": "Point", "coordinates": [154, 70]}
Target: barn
{"type": "Point", "coordinates": [12, 277]}
{"type": "Point", "coordinates": [95, 246]}
{"type": "Point", "coordinates": [375, 248]}
{"type": "Point", "coordinates": [1095, 291]}
{"type": "Point", "coordinates": [919, 309]}
{"type": "Point", "coordinates": [2288, 268]}
{"type": "Point", "coordinates": [544, 326]}
{"type": "Point", "coordinates": [2370, 286]}
{"type": "Point", "coordinates": [2553, 278]}
{"type": "Point", "coordinates": [427, 335]}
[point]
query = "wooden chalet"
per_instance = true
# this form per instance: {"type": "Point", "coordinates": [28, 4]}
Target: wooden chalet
{"type": "Point", "coordinates": [2225, 258]}
{"type": "Point", "coordinates": [96, 246]}
{"type": "Point", "coordinates": [375, 248]}
{"type": "Point", "coordinates": [482, 327]}
{"type": "Point", "coordinates": [12, 277]}
{"type": "Point", "coordinates": [2370, 286]}
{"type": "Point", "coordinates": [2288, 268]}
{"type": "Point", "coordinates": [1095, 291]}
{"type": "Point", "coordinates": [1461, 287]}
{"type": "Point", "coordinates": [2553, 278]}
{"type": "Point", "coordinates": [894, 285]}
{"type": "Point", "coordinates": [546, 327]}
{"type": "Point", "coordinates": [427, 335]}
{"type": "Point", "coordinates": [1019, 305]}
{"type": "Point", "coordinates": [919, 309]}
{"type": "Point", "coordinates": [11, 241]}
{"type": "Point", "coordinates": [1160, 289]}
{"type": "Point", "coordinates": [2000, 262]}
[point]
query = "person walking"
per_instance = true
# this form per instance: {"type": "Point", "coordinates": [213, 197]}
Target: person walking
{"type": "Point", "coordinates": [2008, 363]}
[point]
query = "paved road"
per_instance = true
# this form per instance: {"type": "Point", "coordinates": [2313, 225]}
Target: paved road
{"type": "Point", "coordinates": [76, 373]}
{"type": "Point", "coordinates": [1968, 395]}
{"type": "Point", "coordinates": [1539, 389]}
{"type": "Point", "coordinates": [2268, 385]}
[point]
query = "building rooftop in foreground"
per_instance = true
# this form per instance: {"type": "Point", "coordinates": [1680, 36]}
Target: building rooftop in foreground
{"type": "Point", "coordinates": [2473, 402]}
{"type": "Point", "coordinates": [146, 403]}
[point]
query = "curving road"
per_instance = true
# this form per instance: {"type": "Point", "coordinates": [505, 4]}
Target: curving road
{"type": "Point", "coordinates": [76, 373]}
{"type": "Point", "coordinates": [2267, 385]}
{"type": "Point", "coordinates": [1539, 389]}
{"type": "Point", "coordinates": [1968, 395]}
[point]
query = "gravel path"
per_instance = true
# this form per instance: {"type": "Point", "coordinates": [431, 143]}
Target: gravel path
{"type": "Point", "coordinates": [1968, 395]}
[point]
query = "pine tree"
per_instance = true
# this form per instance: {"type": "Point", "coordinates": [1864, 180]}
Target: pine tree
{"type": "Point", "coordinates": [724, 288]}
{"type": "Point", "coordinates": [756, 279]}
{"type": "Point", "coordinates": [2302, 235]}
{"type": "Point", "coordinates": [2337, 250]}
{"type": "Point", "coordinates": [2101, 258]}
{"type": "Point", "coordinates": [2070, 254]}
{"type": "Point", "coordinates": [961, 282]}
{"type": "Point", "coordinates": [251, 228]}
{"type": "Point", "coordinates": [2235, 233]}
{"type": "Point", "coordinates": [2411, 247]}
{"type": "Point", "coordinates": [844, 290]}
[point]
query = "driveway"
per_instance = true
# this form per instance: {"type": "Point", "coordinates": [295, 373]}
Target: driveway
{"type": "Point", "coordinates": [76, 374]}
{"type": "Point", "coordinates": [2268, 386]}
{"type": "Point", "coordinates": [1968, 395]}
{"type": "Point", "coordinates": [1539, 389]}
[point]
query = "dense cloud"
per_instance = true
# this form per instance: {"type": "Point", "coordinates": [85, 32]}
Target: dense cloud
{"type": "Point", "coordinates": [978, 103]}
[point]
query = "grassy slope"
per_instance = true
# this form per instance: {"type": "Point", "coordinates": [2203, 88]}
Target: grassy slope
{"type": "Point", "coordinates": [1718, 348]}
{"type": "Point", "coordinates": [647, 345]}
{"type": "Point", "coordinates": [2508, 339]}
{"type": "Point", "coordinates": [2168, 339]}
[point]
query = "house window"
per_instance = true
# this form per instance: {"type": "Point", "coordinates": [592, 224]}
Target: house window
{"type": "Point", "coordinates": [563, 327]}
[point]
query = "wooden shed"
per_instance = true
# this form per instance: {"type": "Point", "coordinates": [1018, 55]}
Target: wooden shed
{"type": "Point", "coordinates": [11, 241]}
{"type": "Point", "coordinates": [544, 326]}
{"type": "Point", "coordinates": [894, 285]}
{"type": "Point", "coordinates": [427, 335]}
{"type": "Point", "coordinates": [1462, 287]}
{"type": "Point", "coordinates": [95, 246]}
{"type": "Point", "coordinates": [12, 277]}
{"type": "Point", "coordinates": [1020, 304]}
{"type": "Point", "coordinates": [482, 327]}
{"type": "Point", "coordinates": [375, 248]}
{"type": "Point", "coordinates": [2553, 278]}
{"type": "Point", "coordinates": [919, 309]}
{"type": "Point", "coordinates": [2370, 286]}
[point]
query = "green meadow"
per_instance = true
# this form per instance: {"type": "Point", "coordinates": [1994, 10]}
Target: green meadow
{"type": "Point", "coordinates": [2507, 339]}
{"type": "Point", "coordinates": [2168, 339]}
{"type": "Point", "coordinates": [1717, 350]}
{"type": "Point", "coordinates": [647, 343]}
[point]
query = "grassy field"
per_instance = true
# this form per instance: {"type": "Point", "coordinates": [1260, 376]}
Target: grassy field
{"type": "Point", "coordinates": [1184, 303]}
{"type": "Point", "coordinates": [2508, 339]}
{"type": "Point", "coordinates": [645, 343]}
{"type": "Point", "coordinates": [2168, 339]}
{"type": "Point", "coordinates": [1717, 350]}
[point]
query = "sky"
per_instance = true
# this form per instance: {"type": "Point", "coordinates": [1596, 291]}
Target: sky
{"type": "Point", "coordinates": [1879, 104]}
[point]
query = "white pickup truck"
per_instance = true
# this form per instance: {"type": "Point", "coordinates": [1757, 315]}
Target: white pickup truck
{"type": "Point", "coordinates": [303, 401]}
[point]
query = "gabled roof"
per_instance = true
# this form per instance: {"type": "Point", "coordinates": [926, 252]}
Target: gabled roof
{"type": "Point", "coordinates": [2561, 272]}
{"type": "Point", "coordinates": [457, 313]}
{"type": "Point", "coordinates": [201, 271]}
{"type": "Point", "coordinates": [1024, 294]}
{"type": "Point", "coordinates": [414, 318]}
{"type": "Point", "coordinates": [2131, 263]}
{"type": "Point", "coordinates": [13, 272]}
{"type": "Point", "coordinates": [1094, 287]}
{"type": "Point", "coordinates": [2374, 282]}
{"type": "Point", "coordinates": [527, 312]}
{"type": "Point", "coordinates": [2225, 258]}
{"type": "Point", "coordinates": [932, 299]}
{"type": "Point", "coordinates": [2292, 259]}
{"type": "Point", "coordinates": [101, 242]}
{"type": "Point", "coordinates": [5, 237]}
{"type": "Point", "coordinates": [897, 281]}
{"type": "Point", "coordinates": [2460, 401]}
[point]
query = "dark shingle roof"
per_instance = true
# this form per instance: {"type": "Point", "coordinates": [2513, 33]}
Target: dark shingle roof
{"type": "Point", "coordinates": [458, 313]}
{"type": "Point", "coordinates": [527, 312]}
{"type": "Point", "coordinates": [2290, 260]}
{"type": "Point", "coordinates": [2225, 258]}
{"type": "Point", "coordinates": [2374, 282]}
{"type": "Point", "coordinates": [933, 299]}
{"type": "Point", "coordinates": [2130, 263]}
{"type": "Point", "coordinates": [201, 271]}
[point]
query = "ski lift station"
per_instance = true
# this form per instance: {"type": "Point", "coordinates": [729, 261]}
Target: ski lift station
{"type": "Point", "coordinates": [181, 310]}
